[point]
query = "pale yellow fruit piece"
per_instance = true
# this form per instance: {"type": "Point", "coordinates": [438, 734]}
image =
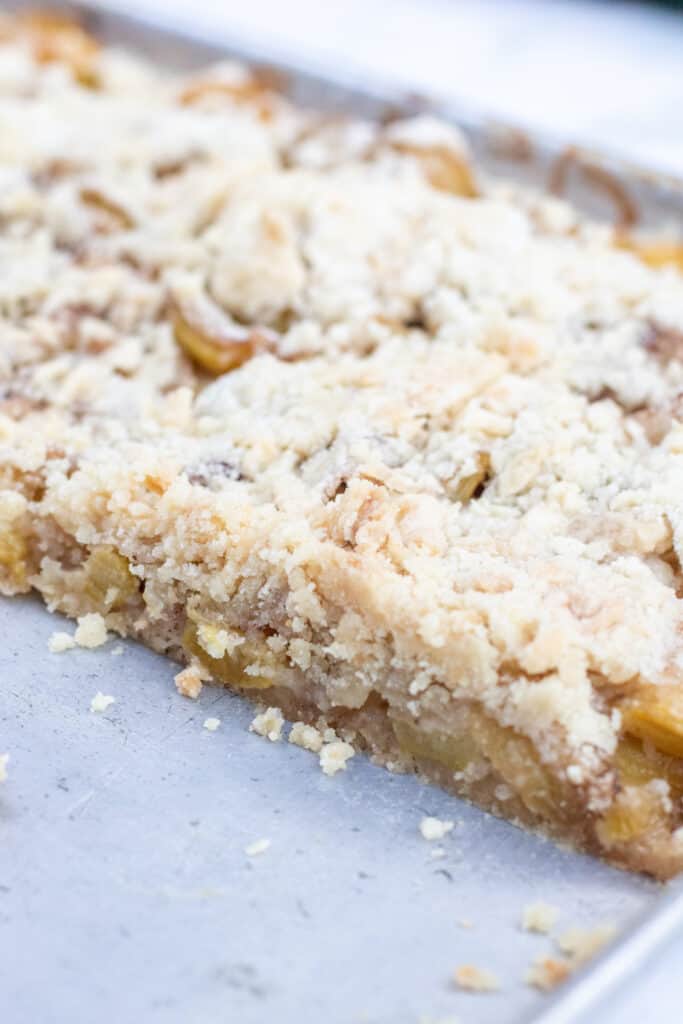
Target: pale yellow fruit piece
{"type": "Point", "coordinates": [105, 204]}
{"type": "Point", "coordinates": [655, 714]}
{"type": "Point", "coordinates": [636, 811]}
{"type": "Point", "coordinates": [56, 38]}
{"type": "Point", "coordinates": [231, 667]}
{"type": "Point", "coordinates": [510, 754]}
{"type": "Point", "coordinates": [453, 752]}
{"type": "Point", "coordinates": [108, 580]}
{"type": "Point", "coordinates": [209, 337]}
{"type": "Point", "coordinates": [249, 92]}
{"type": "Point", "coordinates": [656, 253]}
{"type": "Point", "coordinates": [13, 553]}
{"type": "Point", "coordinates": [442, 167]}
{"type": "Point", "coordinates": [636, 766]}
{"type": "Point", "coordinates": [467, 485]}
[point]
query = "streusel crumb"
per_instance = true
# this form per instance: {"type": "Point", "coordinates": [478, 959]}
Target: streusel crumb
{"type": "Point", "coordinates": [306, 736]}
{"type": "Point", "coordinates": [539, 917]}
{"type": "Point", "coordinates": [101, 701]}
{"type": "Point", "coordinates": [435, 828]}
{"type": "Point", "coordinates": [4, 761]}
{"type": "Point", "coordinates": [91, 630]}
{"type": "Point", "coordinates": [60, 641]}
{"type": "Point", "coordinates": [475, 979]}
{"type": "Point", "coordinates": [211, 724]}
{"type": "Point", "coordinates": [189, 682]}
{"type": "Point", "coordinates": [334, 755]}
{"type": "Point", "coordinates": [269, 724]}
{"type": "Point", "coordinates": [578, 946]}
{"type": "Point", "coordinates": [547, 972]}
{"type": "Point", "coordinates": [581, 944]}
{"type": "Point", "coordinates": [256, 848]}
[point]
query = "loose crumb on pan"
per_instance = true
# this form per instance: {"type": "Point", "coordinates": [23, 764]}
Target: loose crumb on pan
{"type": "Point", "coordinates": [117, 651]}
{"type": "Point", "coordinates": [256, 848]}
{"type": "Point", "coordinates": [580, 944]}
{"type": "Point", "coordinates": [4, 761]}
{"type": "Point", "coordinates": [91, 630]}
{"type": "Point", "coordinates": [547, 972]}
{"type": "Point", "coordinates": [435, 828]}
{"type": "Point", "coordinates": [60, 641]}
{"type": "Point", "coordinates": [189, 682]}
{"type": "Point", "coordinates": [211, 724]}
{"type": "Point", "coordinates": [465, 922]}
{"type": "Point", "coordinates": [268, 724]}
{"type": "Point", "coordinates": [306, 736]}
{"type": "Point", "coordinates": [101, 701]}
{"type": "Point", "coordinates": [334, 755]}
{"type": "Point", "coordinates": [539, 917]}
{"type": "Point", "coordinates": [475, 979]}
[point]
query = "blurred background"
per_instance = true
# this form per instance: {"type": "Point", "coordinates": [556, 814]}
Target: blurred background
{"type": "Point", "coordinates": [609, 73]}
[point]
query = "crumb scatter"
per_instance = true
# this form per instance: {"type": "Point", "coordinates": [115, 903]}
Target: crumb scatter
{"type": "Point", "coordinates": [547, 972]}
{"type": "Point", "coordinates": [577, 946]}
{"type": "Point", "coordinates": [269, 724]}
{"type": "Point", "coordinates": [258, 847]}
{"type": "Point", "coordinates": [475, 979]}
{"type": "Point", "coordinates": [432, 829]}
{"type": "Point", "coordinates": [60, 641]}
{"type": "Point", "coordinates": [581, 944]}
{"type": "Point", "coordinates": [306, 736]}
{"type": "Point", "coordinates": [91, 630]}
{"type": "Point", "coordinates": [334, 756]}
{"type": "Point", "coordinates": [539, 917]}
{"type": "Point", "coordinates": [189, 682]}
{"type": "Point", "coordinates": [101, 701]}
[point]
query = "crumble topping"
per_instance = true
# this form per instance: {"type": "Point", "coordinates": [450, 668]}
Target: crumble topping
{"type": "Point", "coordinates": [334, 756]}
{"type": "Point", "coordinates": [316, 407]}
{"type": "Point", "coordinates": [475, 979]}
{"type": "Point", "coordinates": [539, 917]}
{"type": "Point", "coordinates": [101, 701]}
{"type": "Point", "coordinates": [269, 724]}
{"type": "Point", "coordinates": [211, 724]}
{"type": "Point", "coordinates": [435, 828]}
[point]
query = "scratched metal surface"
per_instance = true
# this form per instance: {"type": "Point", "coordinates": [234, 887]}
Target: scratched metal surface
{"type": "Point", "coordinates": [126, 895]}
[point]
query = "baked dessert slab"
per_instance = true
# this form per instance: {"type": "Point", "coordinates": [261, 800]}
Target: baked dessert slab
{"type": "Point", "coordinates": [313, 408]}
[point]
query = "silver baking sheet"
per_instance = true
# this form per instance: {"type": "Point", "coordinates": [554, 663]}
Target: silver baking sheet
{"type": "Point", "coordinates": [126, 894]}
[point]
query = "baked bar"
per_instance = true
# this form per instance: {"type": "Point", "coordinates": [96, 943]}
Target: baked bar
{"type": "Point", "coordinates": [312, 406]}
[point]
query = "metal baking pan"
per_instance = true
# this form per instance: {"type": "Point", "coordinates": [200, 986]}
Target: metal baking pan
{"type": "Point", "coordinates": [125, 891]}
